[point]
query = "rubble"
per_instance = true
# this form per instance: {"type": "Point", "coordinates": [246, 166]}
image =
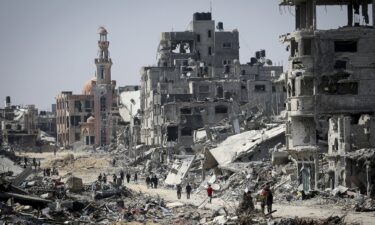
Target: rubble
{"type": "Point", "coordinates": [208, 121]}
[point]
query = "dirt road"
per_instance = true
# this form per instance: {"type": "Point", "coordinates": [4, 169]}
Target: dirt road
{"type": "Point", "coordinates": [88, 166]}
{"type": "Point", "coordinates": [282, 209]}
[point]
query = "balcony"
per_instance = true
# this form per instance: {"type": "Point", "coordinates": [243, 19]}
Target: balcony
{"type": "Point", "coordinates": [301, 106]}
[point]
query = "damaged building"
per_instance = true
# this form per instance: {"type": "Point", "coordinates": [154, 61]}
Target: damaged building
{"type": "Point", "coordinates": [47, 121]}
{"type": "Point", "coordinates": [129, 109]}
{"type": "Point", "coordinates": [89, 118]}
{"type": "Point", "coordinates": [19, 125]}
{"type": "Point", "coordinates": [198, 82]}
{"type": "Point", "coordinates": [330, 98]}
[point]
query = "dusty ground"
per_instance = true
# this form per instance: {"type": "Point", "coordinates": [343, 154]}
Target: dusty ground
{"type": "Point", "coordinates": [283, 210]}
{"type": "Point", "coordinates": [89, 165]}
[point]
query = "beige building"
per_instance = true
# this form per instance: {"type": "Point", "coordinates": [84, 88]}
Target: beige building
{"type": "Point", "coordinates": [88, 117]}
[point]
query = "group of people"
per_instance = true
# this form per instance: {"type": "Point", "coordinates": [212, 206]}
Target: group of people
{"type": "Point", "coordinates": [188, 189]}
{"type": "Point", "coordinates": [103, 177]}
{"type": "Point", "coordinates": [128, 177]}
{"type": "Point", "coordinates": [266, 199]}
{"type": "Point", "coordinates": [35, 163]}
{"type": "Point", "coordinates": [152, 181]}
{"type": "Point", "coordinates": [50, 172]}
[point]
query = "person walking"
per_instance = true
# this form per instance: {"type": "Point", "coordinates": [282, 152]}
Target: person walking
{"type": "Point", "coordinates": [179, 191]}
{"type": "Point", "coordinates": [156, 182]}
{"type": "Point", "coordinates": [264, 198]}
{"type": "Point", "coordinates": [152, 181]}
{"type": "Point", "coordinates": [25, 160]}
{"type": "Point", "coordinates": [269, 199]}
{"type": "Point", "coordinates": [104, 178]}
{"type": "Point", "coordinates": [114, 178]}
{"type": "Point", "coordinates": [188, 190]}
{"type": "Point", "coordinates": [148, 181]}
{"type": "Point", "coordinates": [39, 164]}
{"type": "Point", "coordinates": [209, 193]}
{"type": "Point", "coordinates": [34, 163]}
{"type": "Point", "coordinates": [100, 177]}
{"type": "Point", "coordinates": [128, 177]}
{"type": "Point", "coordinates": [135, 177]}
{"type": "Point", "coordinates": [122, 176]}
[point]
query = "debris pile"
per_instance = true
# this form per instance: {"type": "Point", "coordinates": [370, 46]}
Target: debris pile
{"type": "Point", "coordinates": [332, 220]}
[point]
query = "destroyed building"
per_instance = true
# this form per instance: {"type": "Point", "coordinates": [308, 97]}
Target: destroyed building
{"type": "Point", "coordinates": [47, 122]}
{"type": "Point", "coordinates": [330, 98]}
{"type": "Point", "coordinates": [19, 125]}
{"type": "Point", "coordinates": [129, 109]}
{"type": "Point", "coordinates": [89, 117]}
{"type": "Point", "coordinates": [198, 82]}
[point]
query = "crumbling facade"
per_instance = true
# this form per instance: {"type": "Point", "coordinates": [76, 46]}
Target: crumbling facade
{"type": "Point", "coordinates": [199, 82]}
{"type": "Point", "coordinates": [47, 122]}
{"type": "Point", "coordinates": [351, 149]}
{"type": "Point", "coordinates": [129, 109]}
{"type": "Point", "coordinates": [330, 78]}
{"type": "Point", "coordinates": [97, 102]}
{"type": "Point", "coordinates": [19, 125]}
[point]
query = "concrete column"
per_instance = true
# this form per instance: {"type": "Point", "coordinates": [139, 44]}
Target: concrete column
{"type": "Point", "coordinates": [314, 15]}
{"type": "Point", "coordinates": [316, 170]}
{"type": "Point", "coordinates": [373, 13]}
{"type": "Point", "coordinates": [309, 14]}
{"type": "Point", "coordinates": [298, 16]}
{"type": "Point", "coordinates": [350, 15]}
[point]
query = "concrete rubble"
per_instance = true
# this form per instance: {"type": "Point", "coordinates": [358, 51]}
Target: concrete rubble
{"type": "Point", "coordinates": [208, 121]}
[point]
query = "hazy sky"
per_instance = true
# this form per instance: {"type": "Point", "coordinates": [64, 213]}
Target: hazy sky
{"type": "Point", "coordinates": [49, 46]}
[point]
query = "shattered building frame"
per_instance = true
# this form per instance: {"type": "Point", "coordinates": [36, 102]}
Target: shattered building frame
{"type": "Point", "coordinates": [330, 79]}
{"type": "Point", "coordinates": [19, 125]}
{"type": "Point", "coordinates": [199, 82]}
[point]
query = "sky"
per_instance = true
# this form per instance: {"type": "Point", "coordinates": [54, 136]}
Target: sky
{"type": "Point", "coordinates": [49, 46]}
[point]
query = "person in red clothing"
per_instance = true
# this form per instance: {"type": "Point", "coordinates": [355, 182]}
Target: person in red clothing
{"type": "Point", "coordinates": [209, 193]}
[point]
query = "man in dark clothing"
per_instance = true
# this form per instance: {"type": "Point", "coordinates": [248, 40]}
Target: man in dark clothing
{"type": "Point", "coordinates": [34, 163]}
{"type": "Point", "coordinates": [209, 193]}
{"type": "Point", "coordinates": [114, 178]}
{"type": "Point", "coordinates": [128, 177]}
{"type": "Point", "coordinates": [114, 162]}
{"type": "Point", "coordinates": [25, 160]}
{"type": "Point", "coordinates": [188, 190]}
{"type": "Point", "coordinates": [154, 181]}
{"type": "Point", "coordinates": [104, 178]}
{"type": "Point", "coordinates": [122, 177]}
{"type": "Point", "coordinates": [269, 199]}
{"type": "Point", "coordinates": [179, 191]}
{"type": "Point", "coordinates": [100, 177]}
{"type": "Point", "coordinates": [148, 181]}
{"type": "Point", "coordinates": [135, 177]}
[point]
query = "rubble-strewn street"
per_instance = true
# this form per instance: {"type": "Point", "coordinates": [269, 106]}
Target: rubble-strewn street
{"type": "Point", "coordinates": [207, 136]}
{"type": "Point", "coordinates": [94, 202]}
